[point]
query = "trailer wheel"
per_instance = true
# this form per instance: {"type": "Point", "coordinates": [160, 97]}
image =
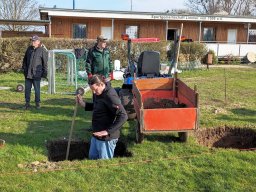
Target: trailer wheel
{"type": "Point", "coordinates": [183, 136]}
{"type": "Point", "coordinates": [20, 88]}
{"type": "Point", "coordinates": [126, 98]}
{"type": "Point", "coordinates": [139, 135]}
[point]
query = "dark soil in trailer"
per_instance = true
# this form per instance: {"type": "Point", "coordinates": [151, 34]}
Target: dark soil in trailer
{"type": "Point", "coordinates": [79, 149]}
{"type": "Point", "coordinates": [227, 137]}
{"type": "Point", "coordinates": [152, 103]}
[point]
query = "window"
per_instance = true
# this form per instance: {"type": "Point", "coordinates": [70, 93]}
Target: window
{"type": "Point", "coordinates": [79, 31]}
{"type": "Point", "coordinates": [132, 31]}
{"type": "Point", "coordinates": [252, 35]}
{"type": "Point", "coordinates": [209, 34]}
{"type": "Point", "coordinates": [106, 32]}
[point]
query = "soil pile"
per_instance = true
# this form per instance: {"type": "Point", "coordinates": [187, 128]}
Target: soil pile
{"type": "Point", "coordinates": [152, 103]}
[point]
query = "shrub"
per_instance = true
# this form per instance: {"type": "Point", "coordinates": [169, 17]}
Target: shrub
{"type": "Point", "coordinates": [12, 50]}
{"type": "Point", "coordinates": [190, 56]}
{"type": "Point", "coordinates": [190, 51]}
{"type": "Point", "coordinates": [232, 60]}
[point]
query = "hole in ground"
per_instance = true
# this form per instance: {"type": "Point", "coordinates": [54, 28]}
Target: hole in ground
{"type": "Point", "coordinates": [227, 137]}
{"type": "Point", "coordinates": [79, 150]}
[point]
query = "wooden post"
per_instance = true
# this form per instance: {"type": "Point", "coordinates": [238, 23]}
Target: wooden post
{"type": "Point", "coordinates": [176, 62]}
{"type": "Point", "coordinates": [225, 82]}
{"type": "Point", "coordinates": [71, 131]}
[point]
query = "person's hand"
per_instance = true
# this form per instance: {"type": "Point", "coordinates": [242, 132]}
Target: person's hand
{"type": "Point", "coordinates": [80, 100]}
{"type": "Point", "coordinates": [100, 133]}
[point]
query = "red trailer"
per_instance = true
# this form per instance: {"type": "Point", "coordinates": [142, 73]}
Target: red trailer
{"type": "Point", "coordinates": [164, 105]}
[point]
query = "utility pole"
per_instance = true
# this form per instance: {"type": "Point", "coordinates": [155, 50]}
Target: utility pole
{"type": "Point", "coordinates": [73, 4]}
{"type": "Point", "coordinates": [131, 5]}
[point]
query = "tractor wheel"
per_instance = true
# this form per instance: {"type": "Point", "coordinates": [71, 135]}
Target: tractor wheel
{"type": "Point", "coordinates": [183, 136]}
{"type": "Point", "coordinates": [20, 88]}
{"type": "Point", "coordinates": [139, 135]}
{"type": "Point", "coordinates": [80, 91]}
{"type": "Point", "coordinates": [126, 98]}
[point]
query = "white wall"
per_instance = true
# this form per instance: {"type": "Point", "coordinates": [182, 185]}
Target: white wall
{"type": "Point", "coordinates": [239, 50]}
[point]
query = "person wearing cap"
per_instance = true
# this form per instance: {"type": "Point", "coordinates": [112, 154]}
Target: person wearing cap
{"type": "Point", "coordinates": [99, 61]}
{"type": "Point", "coordinates": [108, 116]}
{"type": "Point", "coordinates": [34, 67]}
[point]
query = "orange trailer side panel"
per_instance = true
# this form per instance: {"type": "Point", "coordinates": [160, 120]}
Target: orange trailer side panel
{"type": "Point", "coordinates": [173, 119]}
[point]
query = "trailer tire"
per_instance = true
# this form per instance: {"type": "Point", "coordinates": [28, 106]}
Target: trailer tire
{"type": "Point", "coordinates": [183, 136]}
{"type": "Point", "coordinates": [139, 135]}
{"type": "Point", "coordinates": [126, 98]}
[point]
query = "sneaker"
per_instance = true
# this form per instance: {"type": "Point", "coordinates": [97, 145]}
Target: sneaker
{"type": "Point", "coordinates": [38, 106]}
{"type": "Point", "coordinates": [27, 106]}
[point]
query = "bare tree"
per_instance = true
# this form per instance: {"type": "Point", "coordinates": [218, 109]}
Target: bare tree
{"type": "Point", "coordinates": [232, 7]}
{"type": "Point", "coordinates": [179, 11]}
{"type": "Point", "coordinates": [203, 6]}
{"type": "Point", "coordinates": [239, 7]}
{"type": "Point", "coordinates": [18, 10]}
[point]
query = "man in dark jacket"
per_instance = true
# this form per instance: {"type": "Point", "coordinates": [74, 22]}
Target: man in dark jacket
{"type": "Point", "coordinates": [99, 60]}
{"type": "Point", "coordinates": [107, 119]}
{"type": "Point", "coordinates": [34, 67]}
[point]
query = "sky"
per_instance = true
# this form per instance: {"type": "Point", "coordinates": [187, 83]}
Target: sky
{"type": "Point", "coordinates": [119, 5]}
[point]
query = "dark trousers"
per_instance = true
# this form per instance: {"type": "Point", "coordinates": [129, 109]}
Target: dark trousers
{"type": "Point", "coordinates": [28, 86]}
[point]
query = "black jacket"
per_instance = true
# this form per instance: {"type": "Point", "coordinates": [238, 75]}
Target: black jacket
{"type": "Point", "coordinates": [108, 113]}
{"type": "Point", "coordinates": [35, 63]}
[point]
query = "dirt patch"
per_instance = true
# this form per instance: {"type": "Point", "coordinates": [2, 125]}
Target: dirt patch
{"type": "Point", "coordinates": [227, 137]}
{"type": "Point", "coordinates": [152, 103]}
{"type": "Point", "coordinates": [79, 149]}
{"type": "Point", "coordinates": [40, 165]}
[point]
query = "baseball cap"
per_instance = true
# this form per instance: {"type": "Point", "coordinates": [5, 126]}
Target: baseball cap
{"type": "Point", "coordinates": [102, 38]}
{"type": "Point", "coordinates": [34, 38]}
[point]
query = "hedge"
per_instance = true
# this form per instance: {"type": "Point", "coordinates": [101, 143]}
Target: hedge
{"type": "Point", "coordinates": [12, 50]}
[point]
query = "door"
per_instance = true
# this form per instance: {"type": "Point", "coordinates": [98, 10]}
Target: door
{"type": "Point", "coordinates": [172, 34]}
{"type": "Point", "coordinates": [232, 33]}
{"type": "Point", "coordinates": [106, 32]}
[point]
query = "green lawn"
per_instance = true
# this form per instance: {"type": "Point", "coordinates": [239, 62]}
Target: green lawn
{"type": "Point", "coordinates": [158, 164]}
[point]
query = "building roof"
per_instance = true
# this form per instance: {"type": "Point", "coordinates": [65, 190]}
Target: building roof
{"type": "Point", "coordinates": [23, 22]}
{"type": "Point", "coordinates": [46, 12]}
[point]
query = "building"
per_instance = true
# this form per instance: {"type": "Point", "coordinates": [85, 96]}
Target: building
{"type": "Point", "coordinates": [23, 23]}
{"type": "Point", "coordinates": [75, 23]}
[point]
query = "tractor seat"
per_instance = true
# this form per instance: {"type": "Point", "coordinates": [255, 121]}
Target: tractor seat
{"type": "Point", "coordinates": [149, 64]}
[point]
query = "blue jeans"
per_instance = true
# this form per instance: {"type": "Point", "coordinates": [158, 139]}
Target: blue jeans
{"type": "Point", "coordinates": [102, 149]}
{"type": "Point", "coordinates": [28, 86]}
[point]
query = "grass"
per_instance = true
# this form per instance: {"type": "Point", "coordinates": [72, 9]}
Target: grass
{"type": "Point", "coordinates": [158, 164]}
